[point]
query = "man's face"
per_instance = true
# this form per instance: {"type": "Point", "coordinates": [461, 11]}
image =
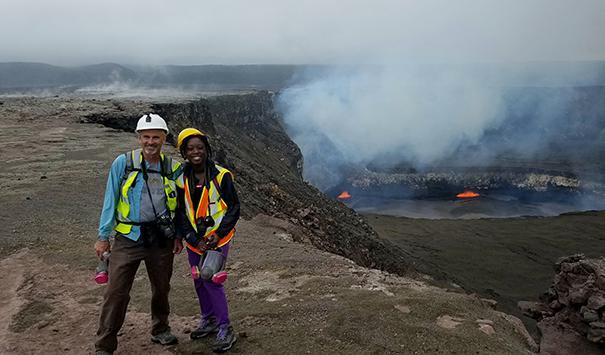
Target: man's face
{"type": "Point", "coordinates": [151, 141]}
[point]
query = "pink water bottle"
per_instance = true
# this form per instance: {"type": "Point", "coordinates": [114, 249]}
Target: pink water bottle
{"type": "Point", "coordinates": [101, 275]}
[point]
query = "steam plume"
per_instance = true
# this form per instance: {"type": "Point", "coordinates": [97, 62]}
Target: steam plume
{"type": "Point", "coordinates": [370, 113]}
{"type": "Point", "coordinates": [427, 114]}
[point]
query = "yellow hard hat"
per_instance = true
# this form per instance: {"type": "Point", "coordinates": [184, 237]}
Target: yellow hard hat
{"type": "Point", "coordinates": [188, 132]}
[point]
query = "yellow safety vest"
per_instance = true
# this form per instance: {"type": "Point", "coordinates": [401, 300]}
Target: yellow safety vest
{"type": "Point", "coordinates": [210, 203]}
{"type": "Point", "coordinates": [168, 169]}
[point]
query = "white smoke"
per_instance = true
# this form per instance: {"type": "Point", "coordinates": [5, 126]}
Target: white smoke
{"type": "Point", "coordinates": [420, 117]}
{"type": "Point", "coordinates": [366, 113]}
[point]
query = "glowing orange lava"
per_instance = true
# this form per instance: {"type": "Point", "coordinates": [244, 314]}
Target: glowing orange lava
{"type": "Point", "coordinates": [468, 194]}
{"type": "Point", "coordinates": [344, 196]}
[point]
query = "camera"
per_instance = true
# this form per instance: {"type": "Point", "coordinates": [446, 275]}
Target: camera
{"type": "Point", "coordinates": [166, 226]}
{"type": "Point", "coordinates": [204, 223]}
{"type": "Point", "coordinates": [208, 221]}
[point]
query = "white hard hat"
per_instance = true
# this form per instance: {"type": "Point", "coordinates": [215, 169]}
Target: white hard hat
{"type": "Point", "coordinates": [151, 121]}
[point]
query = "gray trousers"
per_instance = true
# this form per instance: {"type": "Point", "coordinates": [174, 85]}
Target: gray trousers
{"type": "Point", "coordinates": [126, 255]}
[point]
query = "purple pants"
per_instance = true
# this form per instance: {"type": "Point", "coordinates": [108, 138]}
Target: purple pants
{"type": "Point", "coordinates": [213, 302]}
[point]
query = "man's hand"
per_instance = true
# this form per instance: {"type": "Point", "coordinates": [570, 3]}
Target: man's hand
{"type": "Point", "coordinates": [178, 246]}
{"type": "Point", "coordinates": [101, 246]}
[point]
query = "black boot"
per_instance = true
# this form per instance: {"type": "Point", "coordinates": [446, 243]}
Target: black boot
{"type": "Point", "coordinates": [224, 339]}
{"type": "Point", "coordinates": [206, 327]}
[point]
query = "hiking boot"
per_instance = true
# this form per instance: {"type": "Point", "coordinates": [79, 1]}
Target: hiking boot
{"type": "Point", "coordinates": [205, 328]}
{"type": "Point", "coordinates": [165, 338]}
{"type": "Point", "coordinates": [224, 339]}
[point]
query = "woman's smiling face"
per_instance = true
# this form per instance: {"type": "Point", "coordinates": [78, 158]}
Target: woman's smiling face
{"type": "Point", "coordinates": [195, 151]}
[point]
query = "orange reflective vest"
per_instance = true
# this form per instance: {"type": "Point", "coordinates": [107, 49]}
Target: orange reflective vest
{"type": "Point", "coordinates": [211, 204]}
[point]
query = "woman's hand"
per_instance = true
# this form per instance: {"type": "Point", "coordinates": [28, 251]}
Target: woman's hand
{"type": "Point", "coordinates": [209, 243]}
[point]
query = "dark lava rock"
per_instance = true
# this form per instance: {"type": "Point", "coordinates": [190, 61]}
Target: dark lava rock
{"type": "Point", "coordinates": [571, 317]}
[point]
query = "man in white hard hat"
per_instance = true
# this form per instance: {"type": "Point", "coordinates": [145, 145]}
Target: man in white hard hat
{"type": "Point", "coordinates": [140, 203]}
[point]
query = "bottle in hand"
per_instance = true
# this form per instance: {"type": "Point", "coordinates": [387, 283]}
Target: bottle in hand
{"type": "Point", "coordinates": [101, 275]}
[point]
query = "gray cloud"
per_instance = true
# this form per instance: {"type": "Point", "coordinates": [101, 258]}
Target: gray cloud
{"type": "Point", "coordinates": [270, 31]}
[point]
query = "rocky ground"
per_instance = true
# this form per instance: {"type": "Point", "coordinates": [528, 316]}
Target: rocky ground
{"type": "Point", "coordinates": [285, 294]}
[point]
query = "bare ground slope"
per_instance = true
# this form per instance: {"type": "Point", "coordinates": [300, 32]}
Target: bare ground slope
{"type": "Point", "coordinates": [508, 259]}
{"type": "Point", "coordinates": [284, 296]}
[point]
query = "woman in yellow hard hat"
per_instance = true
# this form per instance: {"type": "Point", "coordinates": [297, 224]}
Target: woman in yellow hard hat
{"type": "Point", "coordinates": [208, 211]}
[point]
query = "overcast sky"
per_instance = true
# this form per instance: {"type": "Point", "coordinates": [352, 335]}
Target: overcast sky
{"type": "Point", "coordinates": [305, 31]}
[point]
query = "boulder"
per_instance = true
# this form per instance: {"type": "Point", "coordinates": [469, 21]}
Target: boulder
{"type": "Point", "coordinates": [570, 313]}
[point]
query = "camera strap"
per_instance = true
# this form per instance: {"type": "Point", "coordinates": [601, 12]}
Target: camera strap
{"type": "Point", "coordinates": [146, 178]}
{"type": "Point", "coordinates": [146, 238]}
{"type": "Point", "coordinates": [208, 213]}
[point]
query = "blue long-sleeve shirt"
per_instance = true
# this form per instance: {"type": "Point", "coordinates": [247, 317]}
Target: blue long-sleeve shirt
{"type": "Point", "coordinates": [112, 196]}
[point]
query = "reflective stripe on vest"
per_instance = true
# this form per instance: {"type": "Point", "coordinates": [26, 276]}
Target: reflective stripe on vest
{"type": "Point", "coordinates": [210, 200]}
{"type": "Point", "coordinates": [170, 186]}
